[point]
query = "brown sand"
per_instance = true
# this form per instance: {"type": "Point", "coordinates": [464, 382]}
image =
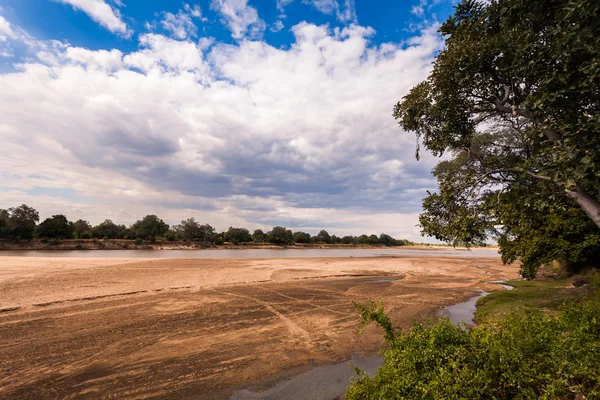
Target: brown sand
{"type": "Point", "coordinates": [114, 328]}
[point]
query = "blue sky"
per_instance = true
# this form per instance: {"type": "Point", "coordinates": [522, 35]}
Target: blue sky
{"type": "Point", "coordinates": [236, 112]}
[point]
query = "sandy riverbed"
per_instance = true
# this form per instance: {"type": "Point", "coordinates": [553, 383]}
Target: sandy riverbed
{"type": "Point", "coordinates": [115, 328]}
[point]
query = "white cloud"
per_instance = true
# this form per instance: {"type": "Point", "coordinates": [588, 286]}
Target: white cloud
{"type": "Point", "coordinates": [281, 4]}
{"type": "Point", "coordinates": [345, 11]}
{"type": "Point", "coordinates": [6, 31]}
{"type": "Point", "coordinates": [277, 26]}
{"type": "Point", "coordinates": [244, 134]}
{"type": "Point", "coordinates": [240, 18]}
{"type": "Point", "coordinates": [181, 25]}
{"type": "Point", "coordinates": [194, 11]}
{"type": "Point", "coordinates": [102, 13]}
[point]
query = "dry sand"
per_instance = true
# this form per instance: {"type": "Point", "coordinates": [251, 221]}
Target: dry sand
{"type": "Point", "coordinates": [115, 328]}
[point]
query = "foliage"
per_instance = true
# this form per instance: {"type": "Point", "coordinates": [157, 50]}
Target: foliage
{"type": "Point", "coordinates": [82, 229]}
{"type": "Point", "coordinates": [56, 227]}
{"type": "Point", "coordinates": [514, 98]}
{"type": "Point", "coordinates": [546, 295]}
{"type": "Point", "coordinates": [237, 235]}
{"type": "Point", "coordinates": [280, 235]}
{"type": "Point", "coordinates": [301, 237]}
{"type": "Point", "coordinates": [323, 237]}
{"type": "Point", "coordinates": [109, 230]}
{"type": "Point", "coordinates": [191, 230]}
{"type": "Point", "coordinates": [18, 222]}
{"type": "Point", "coordinates": [527, 355]}
{"type": "Point", "coordinates": [149, 227]}
{"type": "Point", "coordinates": [259, 236]}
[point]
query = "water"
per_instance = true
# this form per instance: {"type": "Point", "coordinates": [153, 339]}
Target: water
{"type": "Point", "coordinates": [465, 312]}
{"type": "Point", "coordinates": [322, 383]}
{"type": "Point", "coordinates": [255, 253]}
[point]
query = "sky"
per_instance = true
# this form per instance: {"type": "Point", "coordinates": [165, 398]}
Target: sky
{"type": "Point", "coordinates": [245, 113]}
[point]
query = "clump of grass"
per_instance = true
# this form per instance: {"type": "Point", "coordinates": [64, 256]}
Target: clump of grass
{"type": "Point", "coordinates": [540, 294]}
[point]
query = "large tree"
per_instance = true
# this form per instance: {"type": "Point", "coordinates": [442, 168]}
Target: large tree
{"type": "Point", "coordinates": [56, 227]}
{"type": "Point", "coordinates": [150, 227]}
{"type": "Point", "coordinates": [18, 222]}
{"type": "Point", "coordinates": [514, 98]}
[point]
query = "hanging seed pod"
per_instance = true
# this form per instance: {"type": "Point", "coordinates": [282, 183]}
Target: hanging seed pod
{"type": "Point", "coordinates": [426, 135]}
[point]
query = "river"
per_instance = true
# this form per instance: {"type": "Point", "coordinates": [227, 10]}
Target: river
{"type": "Point", "coordinates": [257, 253]}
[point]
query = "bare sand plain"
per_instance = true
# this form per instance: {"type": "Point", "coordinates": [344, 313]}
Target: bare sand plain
{"type": "Point", "coordinates": [201, 328]}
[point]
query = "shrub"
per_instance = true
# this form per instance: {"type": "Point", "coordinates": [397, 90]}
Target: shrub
{"type": "Point", "coordinates": [529, 354]}
{"type": "Point", "coordinates": [139, 241]}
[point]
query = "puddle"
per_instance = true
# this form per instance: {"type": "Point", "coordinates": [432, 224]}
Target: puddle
{"type": "Point", "coordinates": [322, 383]}
{"type": "Point", "coordinates": [465, 311]}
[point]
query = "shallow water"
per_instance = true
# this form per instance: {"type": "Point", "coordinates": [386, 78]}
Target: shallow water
{"type": "Point", "coordinates": [322, 383]}
{"type": "Point", "coordinates": [465, 312]}
{"type": "Point", "coordinates": [254, 253]}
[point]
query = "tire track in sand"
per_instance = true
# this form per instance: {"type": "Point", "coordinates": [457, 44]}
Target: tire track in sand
{"type": "Point", "coordinates": [294, 328]}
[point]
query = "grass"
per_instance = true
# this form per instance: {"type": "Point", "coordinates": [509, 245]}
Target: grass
{"type": "Point", "coordinates": [540, 294]}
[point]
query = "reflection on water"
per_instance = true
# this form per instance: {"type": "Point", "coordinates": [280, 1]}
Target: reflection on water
{"type": "Point", "coordinates": [322, 383]}
{"type": "Point", "coordinates": [254, 253]}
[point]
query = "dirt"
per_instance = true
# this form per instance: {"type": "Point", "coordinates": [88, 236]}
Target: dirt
{"type": "Point", "coordinates": [110, 328]}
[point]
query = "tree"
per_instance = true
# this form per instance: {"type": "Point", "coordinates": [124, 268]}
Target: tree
{"type": "Point", "coordinates": [348, 240]}
{"type": "Point", "coordinates": [56, 227]}
{"type": "Point", "coordinates": [188, 229]}
{"type": "Point", "coordinates": [237, 235]}
{"type": "Point", "coordinates": [323, 237]}
{"type": "Point", "coordinates": [280, 235]}
{"type": "Point", "coordinates": [386, 240]}
{"type": "Point", "coordinates": [259, 236]}
{"type": "Point", "coordinates": [4, 219]}
{"type": "Point", "coordinates": [21, 222]}
{"type": "Point", "coordinates": [109, 230]}
{"type": "Point", "coordinates": [150, 227]}
{"type": "Point", "coordinates": [82, 229]}
{"type": "Point", "coordinates": [514, 99]}
{"type": "Point", "coordinates": [301, 237]}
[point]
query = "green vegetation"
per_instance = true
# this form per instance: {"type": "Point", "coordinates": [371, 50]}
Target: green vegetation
{"type": "Point", "coordinates": [525, 354]}
{"type": "Point", "coordinates": [514, 99]}
{"type": "Point", "coordinates": [543, 295]}
{"type": "Point", "coordinates": [20, 223]}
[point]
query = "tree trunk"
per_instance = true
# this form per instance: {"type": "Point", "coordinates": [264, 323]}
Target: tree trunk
{"type": "Point", "coordinates": [589, 204]}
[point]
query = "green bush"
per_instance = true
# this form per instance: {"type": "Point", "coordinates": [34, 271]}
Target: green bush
{"type": "Point", "coordinates": [528, 355]}
{"type": "Point", "coordinates": [139, 241]}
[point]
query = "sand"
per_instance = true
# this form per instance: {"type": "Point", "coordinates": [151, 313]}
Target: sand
{"type": "Point", "coordinates": [144, 328]}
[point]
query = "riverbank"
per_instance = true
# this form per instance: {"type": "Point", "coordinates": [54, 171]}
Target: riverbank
{"type": "Point", "coordinates": [541, 294]}
{"type": "Point", "coordinates": [205, 328]}
{"type": "Point", "coordinates": [122, 244]}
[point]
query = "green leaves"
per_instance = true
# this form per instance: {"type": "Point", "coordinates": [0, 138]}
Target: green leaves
{"type": "Point", "coordinates": [527, 355]}
{"type": "Point", "coordinates": [509, 174]}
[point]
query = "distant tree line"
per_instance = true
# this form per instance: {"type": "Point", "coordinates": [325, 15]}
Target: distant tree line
{"type": "Point", "coordinates": [21, 223]}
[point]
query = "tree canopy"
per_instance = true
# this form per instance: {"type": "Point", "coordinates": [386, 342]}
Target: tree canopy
{"type": "Point", "coordinates": [514, 98]}
{"type": "Point", "coordinates": [56, 227]}
{"type": "Point", "coordinates": [150, 227]}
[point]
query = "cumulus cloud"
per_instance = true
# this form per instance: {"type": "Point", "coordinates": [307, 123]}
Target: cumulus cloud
{"type": "Point", "coordinates": [101, 12]}
{"type": "Point", "coordinates": [240, 18]}
{"type": "Point", "coordinates": [181, 25]}
{"type": "Point", "coordinates": [245, 134]}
